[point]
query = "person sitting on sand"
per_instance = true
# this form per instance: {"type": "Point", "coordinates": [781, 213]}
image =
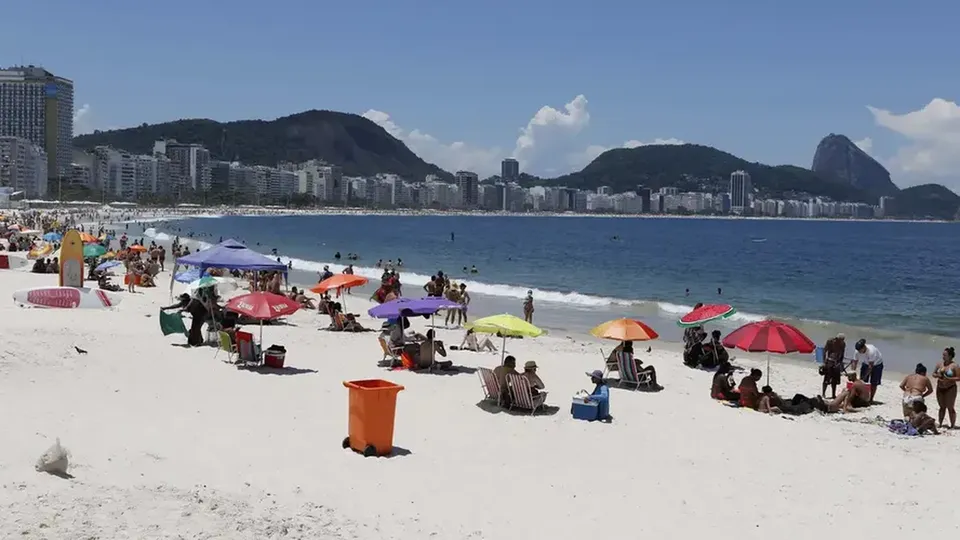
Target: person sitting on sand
{"type": "Point", "coordinates": [300, 298]}
{"type": "Point", "coordinates": [713, 352]}
{"type": "Point", "coordinates": [856, 396]}
{"type": "Point", "coordinates": [722, 387]}
{"type": "Point", "coordinates": [600, 394]}
{"type": "Point", "coordinates": [749, 393]}
{"type": "Point", "coordinates": [428, 350]}
{"type": "Point", "coordinates": [920, 420]}
{"type": "Point", "coordinates": [769, 401]}
{"type": "Point", "coordinates": [916, 388]}
{"type": "Point", "coordinates": [470, 343]}
{"type": "Point", "coordinates": [530, 373]}
{"type": "Point", "coordinates": [509, 367]}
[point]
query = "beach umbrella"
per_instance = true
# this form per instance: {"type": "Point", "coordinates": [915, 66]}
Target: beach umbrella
{"type": "Point", "coordinates": [769, 336]}
{"type": "Point", "coordinates": [137, 248]}
{"type": "Point", "coordinates": [93, 250]}
{"type": "Point", "coordinates": [30, 232]}
{"type": "Point", "coordinates": [53, 237]}
{"type": "Point", "coordinates": [338, 282]}
{"type": "Point", "coordinates": [624, 330]}
{"type": "Point", "coordinates": [107, 265]}
{"type": "Point", "coordinates": [13, 227]}
{"type": "Point", "coordinates": [262, 306]}
{"type": "Point", "coordinates": [415, 306]}
{"type": "Point", "coordinates": [109, 255]}
{"type": "Point", "coordinates": [88, 238]}
{"type": "Point", "coordinates": [188, 275]}
{"type": "Point", "coordinates": [705, 314]}
{"type": "Point", "coordinates": [225, 284]}
{"type": "Point", "coordinates": [505, 325]}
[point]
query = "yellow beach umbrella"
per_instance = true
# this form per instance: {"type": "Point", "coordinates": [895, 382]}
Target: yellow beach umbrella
{"type": "Point", "coordinates": [507, 326]}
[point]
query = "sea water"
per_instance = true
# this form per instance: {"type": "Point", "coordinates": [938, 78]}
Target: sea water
{"type": "Point", "coordinates": [892, 283]}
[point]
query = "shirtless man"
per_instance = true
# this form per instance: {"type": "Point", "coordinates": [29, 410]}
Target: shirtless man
{"type": "Point", "coordinates": [916, 388]}
{"type": "Point", "coordinates": [453, 295]}
{"type": "Point", "coordinates": [856, 397]}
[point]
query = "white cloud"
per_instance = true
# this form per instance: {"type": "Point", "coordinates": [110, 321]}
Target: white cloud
{"type": "Point", "coordinates": [933, 135]}
{"type": "Point", "coordinates": [546, 146]}
{"type": "Point", "coordinates": [865, 144]}
{"type": "Point", "coordinates": [81, 120]}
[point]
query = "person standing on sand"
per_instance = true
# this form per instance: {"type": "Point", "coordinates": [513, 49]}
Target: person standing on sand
{"type": "Point", "coordinates": [464, 302]}
{"type": "Point", "coordinates": [947, 374]}
{"type": "Point", "coordinates": [915, 388]}
{"type": "Point", "coordinates": [528, 307]}
{"type": "Point", "coordinates": [871, 365]}
{"type": "Point", "coordinates": [834, 352]}
{"type": "Point", "coordinates": [453, 295]}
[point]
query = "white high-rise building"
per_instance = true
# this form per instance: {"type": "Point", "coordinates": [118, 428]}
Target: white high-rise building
{"type": "Point", "coordinates": [189, 166]}
{"type": "Point", "coordinates": [23, 166]}
{"type": "Point", "coordinates": [741, 188]}
{"type": "Point", "coordinates": [36, 105]}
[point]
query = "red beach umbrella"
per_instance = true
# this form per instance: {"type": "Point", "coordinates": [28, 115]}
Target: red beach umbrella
{"type": "Point", "coordinates": [263, 306]}
{"type": "Point", "coordinates": [769, 336]}
{"type": "Point", "coordinates": [705, 314]}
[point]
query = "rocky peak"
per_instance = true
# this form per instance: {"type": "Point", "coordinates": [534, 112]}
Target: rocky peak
{"type": "Point", "coordinates": [840, 160]}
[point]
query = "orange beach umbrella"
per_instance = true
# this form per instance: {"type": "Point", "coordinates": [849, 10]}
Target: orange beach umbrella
{"type": "Point", "coordinates": [88, 238]}
{"type": "Point", "coordinates": [624, 330]}
{"type": "Point", "coordinates": [339, 281]}
{"type": "Point", "coordinates": [138, 248]}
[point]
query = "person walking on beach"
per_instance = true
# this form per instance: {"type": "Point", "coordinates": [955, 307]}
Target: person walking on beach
{"type": "Point", "coordinates": [871, 365]}
{"type": "Point", "coordinates": [528, 307]}
{"type": "Point", "coordinates": [834, 352]}
{"type": "Point", "coordinates": [947, 374]}
{"type": "Point", "coordinates": [915, 388]}
{"type": "Point", "coordinates": [464, 302]}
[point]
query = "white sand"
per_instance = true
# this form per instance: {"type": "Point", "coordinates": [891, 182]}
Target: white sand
{"type": "Point", "coordinates": [167, 442]}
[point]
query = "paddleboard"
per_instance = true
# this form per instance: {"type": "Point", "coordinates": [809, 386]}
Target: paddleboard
{"type": "Point", "coordinates": [66, 298]}
{"type": "Point", "coordinates": [13, 262]}
{"type": "Point", "coordinates": [71, 260]}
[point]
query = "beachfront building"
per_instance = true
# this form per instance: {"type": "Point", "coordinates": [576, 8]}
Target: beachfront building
{"type": "Point", "coordinates": [469, 185]}
{"type": "Point", "coordinates": [23, 166]}
{"type": "Point", "coordinates": [509, 170]}
{"type": "Point", "coordinates": [437, 194]}
{"type": "Point", "coordinates": [189, 167]}
{"type": "Point", "coordinates": [741, 189]}
{"type": "Point", "coordinates": [37, 105]}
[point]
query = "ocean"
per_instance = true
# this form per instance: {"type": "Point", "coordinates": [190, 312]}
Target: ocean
{"type": "Point", "coordinates": [892, 283]}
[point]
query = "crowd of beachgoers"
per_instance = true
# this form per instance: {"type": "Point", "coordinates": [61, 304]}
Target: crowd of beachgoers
{"type": "Point", "coordinates": [658, 397]}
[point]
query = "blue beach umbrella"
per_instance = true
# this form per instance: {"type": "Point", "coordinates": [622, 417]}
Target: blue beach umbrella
{"type": "Point", "coordinates": [53, 237]}
{"type": "Point", "coordinates": [107, 265]}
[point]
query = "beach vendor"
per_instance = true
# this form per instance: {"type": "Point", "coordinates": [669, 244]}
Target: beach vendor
{"type": "Point", "coordinates": [834, 352]}
{"type": "Point", "coordinates": [600, 394]}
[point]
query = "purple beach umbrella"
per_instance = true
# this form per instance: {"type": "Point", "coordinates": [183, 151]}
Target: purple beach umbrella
{"type": "Point", "coordinates": [415, 306]}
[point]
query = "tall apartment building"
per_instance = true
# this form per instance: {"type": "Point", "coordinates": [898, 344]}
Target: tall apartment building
{"type": "Point", "coordinates": [741, 188]}
{"type": "Point", "coordinates": [469, 184]}
{"type": "Point", "coordinates": [36, 105]}
{"type": "Point", "coordinates": [510, 170]}
{"type": "Point", "coordinates": [335, 190]}
{"type": "Point", "coordinates": [23, 166]}
{"type": "Point", "coordinates": [189, 167]}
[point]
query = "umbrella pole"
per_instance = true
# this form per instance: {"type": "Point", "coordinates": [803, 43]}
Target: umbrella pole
{"type": "Point", "coordinates": [503, 350]}
{"type": "Point", "coordinates": [768, 369]}
{"type": "Point", "coordinates": [261, 334]}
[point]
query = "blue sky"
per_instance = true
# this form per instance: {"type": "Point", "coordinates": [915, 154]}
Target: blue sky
{"type": "Point", "coordinates": [761, 79]}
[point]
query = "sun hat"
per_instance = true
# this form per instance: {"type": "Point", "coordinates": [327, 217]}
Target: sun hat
{"type": "Point", "coordinates": [595, 374]}
{"type": "Point", "coordinates": [530, 365]}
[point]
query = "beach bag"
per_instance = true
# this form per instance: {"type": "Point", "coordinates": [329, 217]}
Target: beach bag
{"type": "Point", "coordinates": [55, 460]}
{"type": "Point", "coordinates": [171, 323]}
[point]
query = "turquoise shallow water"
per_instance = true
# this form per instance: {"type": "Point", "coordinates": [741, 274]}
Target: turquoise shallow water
{"type": "Point", "coordinates": [893, 283]}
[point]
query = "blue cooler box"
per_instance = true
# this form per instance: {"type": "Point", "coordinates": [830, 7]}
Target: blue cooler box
{"type": "Point", "coordinates": [585, 411]}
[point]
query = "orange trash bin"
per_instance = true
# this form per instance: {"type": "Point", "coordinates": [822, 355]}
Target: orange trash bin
{"type": "Point", "coordinates": [372, 409]}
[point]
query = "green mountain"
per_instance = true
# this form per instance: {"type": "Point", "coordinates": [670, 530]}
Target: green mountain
{"type": "Point", "coordinates": [694, 167]}
{"type": "Point", "coordinates": [927, 201]}
{"type": "Point", "coordinates": [358, 145]}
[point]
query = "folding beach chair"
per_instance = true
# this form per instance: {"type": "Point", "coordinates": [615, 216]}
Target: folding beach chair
{"type": "Point", "coordinates": [628, 373]}
{"type": "Point", "coordinates": [389, 353]}
{"type": "Point", "coordinates": [226, 345]}
{"type": "Point", "coordinates": [248, 352]}
{"type": "Point", "coordinates": [488, 381]}
{"type": "Point", "coordinates": [521, 394]}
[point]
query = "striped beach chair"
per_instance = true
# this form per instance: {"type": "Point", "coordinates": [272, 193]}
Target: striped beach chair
{"type": "Point", "coordinates": [628, 373]}
{"type": "Point", "coordinates": [521, 394]}
{"type": "Point", "coordinates": [488, 381]}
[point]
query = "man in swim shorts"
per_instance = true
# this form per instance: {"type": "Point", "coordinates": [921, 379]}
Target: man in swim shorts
{"type": "Point", "coordinates": [834, 352]}
{"type": "Point", "coordinates": [871, 365]}
{"type": "Point", "coordinates": [915, 388]}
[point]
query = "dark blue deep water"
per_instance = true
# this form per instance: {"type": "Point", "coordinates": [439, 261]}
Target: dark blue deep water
{"type": "Point", "coordinates": [888, 281]}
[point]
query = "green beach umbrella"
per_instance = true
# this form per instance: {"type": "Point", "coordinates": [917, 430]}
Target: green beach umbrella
{"type": "Point", "coordinates": [93, 250]}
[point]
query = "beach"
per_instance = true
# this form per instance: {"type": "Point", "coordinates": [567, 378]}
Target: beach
{"type": "Point", "coordinates": [171, 442]}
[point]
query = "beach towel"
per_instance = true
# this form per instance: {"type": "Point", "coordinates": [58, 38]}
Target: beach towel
{"type": "Point", "coordinates": [171, 323]}
{"type": "Point", "coordinates": [901, 427]}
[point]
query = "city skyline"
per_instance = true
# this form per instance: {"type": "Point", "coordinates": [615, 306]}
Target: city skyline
{"type": "Point", "coordinates": [646, 72]}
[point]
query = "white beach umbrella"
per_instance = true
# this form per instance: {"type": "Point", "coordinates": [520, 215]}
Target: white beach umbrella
{"type": "Point", "coordinates": [224, 285]}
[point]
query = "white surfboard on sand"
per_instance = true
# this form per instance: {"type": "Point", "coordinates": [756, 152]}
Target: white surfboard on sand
{"type": "Point", "coordinates": [67, 298]}
{"type": "Point", "coordinates": [13, 262]}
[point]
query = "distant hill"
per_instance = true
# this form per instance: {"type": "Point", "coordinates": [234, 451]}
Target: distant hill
{"type": "Point", "coordinates": [683, 166]}
{"type": "Point", "coordinates": [927, 201]}
{"type": "Point", "coordinates": [837, 158]}
{"type": "Point", "coordinates": [358, 145]}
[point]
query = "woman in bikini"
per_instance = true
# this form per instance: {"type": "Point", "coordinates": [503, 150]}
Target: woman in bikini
{"type": "Point", "coordinates": [947, 374]}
